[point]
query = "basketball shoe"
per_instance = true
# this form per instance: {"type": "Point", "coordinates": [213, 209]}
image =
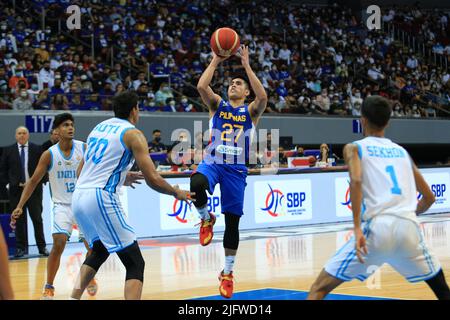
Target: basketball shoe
{"type": "Point", "coordinates": [49, 292]}
{"type": "Point", "coordinates": [206, 230]}
{"type": "Point", "coordinates": [92, 288]}
{"type": "Point", "coordinates": [226, 284]}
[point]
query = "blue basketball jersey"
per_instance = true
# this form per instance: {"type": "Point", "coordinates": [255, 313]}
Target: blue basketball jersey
{"type": "Point", "coordinates": [231, 131]}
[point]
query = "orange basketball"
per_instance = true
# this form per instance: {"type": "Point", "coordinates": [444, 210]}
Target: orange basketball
{"type": "Point", "coordinates": [225, 42]}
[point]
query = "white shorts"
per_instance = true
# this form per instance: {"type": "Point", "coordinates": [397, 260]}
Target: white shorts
{"type": "Point", "coordinates": [100, 215]}
{"type": "Point", "coordinates": [63, 220]}
{"type": "Point", "coordinates": [393, 240]}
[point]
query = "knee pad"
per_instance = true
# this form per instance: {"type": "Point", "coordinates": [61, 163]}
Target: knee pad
{"type": "Point", "coordinates": [131, 258]}
{"type": "Point", "coordinates": [98, 256]}
{"type": "Point", "coordinates": [231, 235]}
{"type": "Point", "coordinates": [199, 185]}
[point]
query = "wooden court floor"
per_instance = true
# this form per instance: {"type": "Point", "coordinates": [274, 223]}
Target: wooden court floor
{"type": "Point", "coordinates": [282, 258]}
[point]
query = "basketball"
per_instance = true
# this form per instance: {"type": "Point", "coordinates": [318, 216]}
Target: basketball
{"type": "Point", "coordinates": [225, 42]}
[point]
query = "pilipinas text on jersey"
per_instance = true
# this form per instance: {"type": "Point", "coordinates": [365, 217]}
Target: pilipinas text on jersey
{"type": "Point", "coordinates": [107, 158]}
{"type": "Point", "coordinates": [62, 172]}
{"type": "Point", "coordinates": [388, 183]}
{"type": "Point", "coordinates": [231, 131]}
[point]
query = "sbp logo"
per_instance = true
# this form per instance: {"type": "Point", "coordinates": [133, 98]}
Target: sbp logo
{"type": "Point", "coordinates": [438, 191]}
{"type": "Point", "coordinates": [274, 200]}
{"type": "Point", "coordinates": [275, 197]}
{"type": "Point", "coordinates": [284, 200]}
{"type": "Point", "coordinates": [180, 209]}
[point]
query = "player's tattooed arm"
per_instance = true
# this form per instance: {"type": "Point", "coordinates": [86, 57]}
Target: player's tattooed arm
{"type": "Point", "coordinates": [353, 162]}
{"type": "Point", "coordinates": [30, 186]}
{"type": "Point", "coordinates": [422, 186]}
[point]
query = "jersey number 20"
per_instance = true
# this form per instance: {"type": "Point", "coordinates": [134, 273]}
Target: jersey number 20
{"type": "Point", "coordinates": [96, 149]}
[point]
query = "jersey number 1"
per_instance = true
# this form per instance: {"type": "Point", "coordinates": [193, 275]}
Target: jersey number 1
{"type": "Point", "coordinates": [395, 189]}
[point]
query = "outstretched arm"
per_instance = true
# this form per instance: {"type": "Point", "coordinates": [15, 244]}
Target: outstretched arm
{"type": "Point", "coordinates": [209, 98]}
{"type": "Point", "coordinates": [135, 140]}
{"type": "Point", "coordinates": [258, 106]}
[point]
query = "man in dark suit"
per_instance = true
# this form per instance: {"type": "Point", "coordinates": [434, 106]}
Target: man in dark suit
{"type": "Point", "coordinates": [17, 165]}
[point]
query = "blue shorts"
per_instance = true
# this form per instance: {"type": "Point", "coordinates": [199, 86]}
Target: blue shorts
{"type": "Point", "coordinates": [232, 185]}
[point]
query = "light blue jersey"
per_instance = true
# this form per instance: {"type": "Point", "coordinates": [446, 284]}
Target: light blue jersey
{"type": "Point", "coordinates": [107, 159]}
{"type": "Point", "coordinates": [62, 172]}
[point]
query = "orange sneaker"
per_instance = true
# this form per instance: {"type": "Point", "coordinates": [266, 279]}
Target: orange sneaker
{"type": "Point", "coordinates": [92, 288]}
{"type": "Point", "coordinates": [49, 293]}
{"type": "Point", "coordinates": [206, 230]}
{"type": "Point", "coordinates": [226, 285]}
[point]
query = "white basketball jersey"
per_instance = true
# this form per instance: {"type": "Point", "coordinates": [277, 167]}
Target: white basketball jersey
{"type": "Point", "coordinates": [388, 183]}
{"type": "Point", "coordinates": [107, 159]}
{"type": "Point", "coordinates": [62, 172]}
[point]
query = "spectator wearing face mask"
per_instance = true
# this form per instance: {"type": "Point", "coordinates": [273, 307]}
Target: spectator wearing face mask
{"type": "Point", "coordinates": [18, 77]}
{"type": "Point", "coordinates": [398, 111]}
{"type": "Point", "coordinates": [46, 77]}
{"type": "Point", "coordinates": [185, 106]}
{"type": "Point", "coordinates": [356, 110]}
{"type": "Point", "coordinates": [23, 102]}
{"type": "Point", "coordinates": [156, 145]}
{"type": "Point", "coordinates": [42, 51]}
{"type": "Point", "coordinates": [163, 94]}
{"type": "Point", "coordinates": [415, 112]}
{"type": "Point", "coordinates": [337, 107]}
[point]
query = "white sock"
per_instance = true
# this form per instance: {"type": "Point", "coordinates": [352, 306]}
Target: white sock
{"type": "Point", "coordinates": [203, 212]}
{"type": "Point", "coordinates": [229, 263]}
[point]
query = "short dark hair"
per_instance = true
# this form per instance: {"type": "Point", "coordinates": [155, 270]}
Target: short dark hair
{"type": "Point", "coordinates": [61, 118]}
{"type": "Point", "coordinates": [377, 110]}
{"type": "Point", "coordinates": [123, 103]}
{"type": "Point", "coordinates": [156, 130]}
{"type": "Point", "coordinates": [242, 77]}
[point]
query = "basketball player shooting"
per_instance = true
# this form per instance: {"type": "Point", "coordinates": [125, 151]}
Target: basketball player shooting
{"type": "Point", "coordinates": [232, 120]}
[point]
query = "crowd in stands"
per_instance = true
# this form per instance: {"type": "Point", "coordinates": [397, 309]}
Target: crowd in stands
{"type": "Point", "coordinates": [311, 60]}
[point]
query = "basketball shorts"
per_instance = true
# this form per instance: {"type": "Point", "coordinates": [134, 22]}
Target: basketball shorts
{"type": "Point", "coordinates": [101, 217]}
{"type": "Point", "coordinates": [232, 183]}
{"type": "Point", "coordinates": [396, 241]}
{"type": "Point", "coordinates": [64, 220]}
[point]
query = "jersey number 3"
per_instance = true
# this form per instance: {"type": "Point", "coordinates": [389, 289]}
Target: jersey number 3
{"type": "Point", "coordinates": [96, 149]}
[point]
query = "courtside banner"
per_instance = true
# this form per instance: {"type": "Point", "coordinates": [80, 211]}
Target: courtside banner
{"type": "Point", "coordinates": [439, 184]}
{"type": "Point", "coordinates": [176, 214]}
{"type": "Point", "coordinates": [343, 205]}
{"type": "Point", "coordinates": [279, 200]}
